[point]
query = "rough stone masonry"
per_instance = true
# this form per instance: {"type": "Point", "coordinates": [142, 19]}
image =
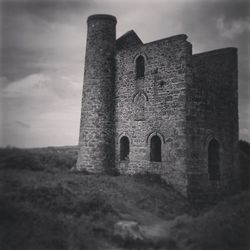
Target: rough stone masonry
{"type": "Point", "coordinates": [158, 108]}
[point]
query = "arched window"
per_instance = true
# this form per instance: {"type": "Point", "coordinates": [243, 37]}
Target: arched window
{"type": "Point", "coordinates": [139, 107]}
{"type": "Point", "coordinates": [155, 149]}
{"type": "Point", "coordinates": [124, 148]}
{"type": "Point", "coordinates": [140, 67]}
{"type": "Point", "coordinates": [214, 160]}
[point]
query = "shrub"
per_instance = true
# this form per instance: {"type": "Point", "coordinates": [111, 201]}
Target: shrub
{"type": "Point", "coordinates": [63, 158]}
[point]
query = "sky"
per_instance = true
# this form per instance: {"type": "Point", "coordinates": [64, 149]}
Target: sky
{"type": "Point", "coordinates": [42, 48]}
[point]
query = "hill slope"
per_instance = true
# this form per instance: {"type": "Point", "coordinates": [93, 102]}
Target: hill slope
{"type": "Point", "coordinates": [44, 210]}
{"type": "Point", "coordinates": [46, 206]}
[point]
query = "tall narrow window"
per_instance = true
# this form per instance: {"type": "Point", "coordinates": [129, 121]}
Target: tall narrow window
{"type": "Point", "coordinates": [214, 160]}
{"type": "Point", "coordinates": [140, 67]}
{"type": "Point", "coordinates": [124, 148]}
{"type": "Point", "coordinates": [155, 149]}
{"type": "Point", "coordinates": [139, 107]}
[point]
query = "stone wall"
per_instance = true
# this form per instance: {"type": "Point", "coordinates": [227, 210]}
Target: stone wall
{"type": "Point", "coordinates": [162, 93]}
{"type": "Point", "coordinates": [185, 100]}
{"type": "Point", "coordinates": [212, 112]}
{"type": "Point", "coordinates": [96, 142]}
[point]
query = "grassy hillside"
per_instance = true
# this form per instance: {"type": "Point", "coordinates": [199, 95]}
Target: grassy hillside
{"type": "Point", "coordinates": [42, 210]}
{"type": "Point", "coordinates": [37, 159]}
{"type": "Point", "coordinates": [224, 227]}
{"type": "Point", "coordinates": [44, 205]}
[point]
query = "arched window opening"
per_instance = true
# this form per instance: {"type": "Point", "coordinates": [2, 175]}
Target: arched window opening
{"type": "Point", "coordinates": [155, 149]}
{"type": "Point", "coordinates": [140, 67]}
{"type": "Point", "coordinates": [214, 160]}
{"type": "Point", "coordinates": [124, 148]}
{"type": "Point", "coordinates": [139, 107]}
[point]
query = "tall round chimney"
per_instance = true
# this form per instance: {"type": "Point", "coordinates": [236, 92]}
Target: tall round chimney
{"type": "Point", "coordinates": [96, 140]}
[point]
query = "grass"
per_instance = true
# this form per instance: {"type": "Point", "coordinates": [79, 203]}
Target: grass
{"type": "Point", "coordinates": [225, 227]}
{"type": "Point", "coordinates": [81, 209]}
{"type": "Point", "coordinates": [44, 205]}
{"type": "Point", "coordinates": [37, 159]}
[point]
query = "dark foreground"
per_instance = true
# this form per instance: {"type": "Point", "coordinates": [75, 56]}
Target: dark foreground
{"type": "Point", "coordinates": [46, 206]}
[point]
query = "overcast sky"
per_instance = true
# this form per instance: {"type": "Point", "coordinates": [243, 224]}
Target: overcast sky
{"type": "Point", "coordinates": [43, 47]}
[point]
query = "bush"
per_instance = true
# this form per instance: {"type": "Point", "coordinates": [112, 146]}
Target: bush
{"type": "Point", "coordinates": [63, 158]}
{"type": "Point", "coordinates": [14, 158]}
{"type": "Point", "coordinates": [226, 226]}
{"type": "Point", "coordinates": [150, 178]}
{"type": "Point", "coordinates": [23, 227]}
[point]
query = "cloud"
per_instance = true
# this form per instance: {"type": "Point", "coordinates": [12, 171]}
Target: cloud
{"type": "Point", "coordinates": [47, 104]}
{"type": "Point", "coordinates": [43, 87]}
{"type": "Point", "coordinates": [48, 10]}
{"type": "Point", "coordinates": [23, 124]}
{"type": "Point", "coordinates": [245, 132]}
{"type": "Point", "coordinates": [43, 44]}
{"type": "Point", "coordinates": [33, 43]}
{"type": "Point", "coordinates": [235, 28]}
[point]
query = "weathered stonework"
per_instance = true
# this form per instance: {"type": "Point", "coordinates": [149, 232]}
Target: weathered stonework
{"type": "Point", "coordinates": [96, 143]}
{"type": "Point", "coordinates": [212, 112]}
{"type": "Point", "coordinates": [170, 101]}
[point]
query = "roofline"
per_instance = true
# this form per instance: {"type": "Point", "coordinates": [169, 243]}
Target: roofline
{"type": "Point", "coordinates": [184, 36]}
{"type": "Point", "coordinates": [128, 32]}
{"type": "Point", "coordinates": [216, 52]}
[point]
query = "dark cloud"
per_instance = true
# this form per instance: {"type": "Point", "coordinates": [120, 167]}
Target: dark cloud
{"type": "Point", "coordinates": [14, 63]}
{"type": "Point", "coordinates": [45, 40]}
{"type": "Point", "coordinates": [23, 124]}
{"type": "Point", "coordinates": [51, 11]}
{"type": "Point", "coordinates": [29, 32]}
{"type": "Point", "coordinates": [199, 19]}
{"type": "Point", "coordinates": [231, 9]}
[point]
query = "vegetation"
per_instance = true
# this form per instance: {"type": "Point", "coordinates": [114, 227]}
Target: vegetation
{"type": "Point", "coordinates": [224, 227]}
{"type": "Point", "coordinates": [45, 205]}
{"type": "Point", "coordinates": [37, 159]}
{"type": "Point", "coordinates": [55, 210]}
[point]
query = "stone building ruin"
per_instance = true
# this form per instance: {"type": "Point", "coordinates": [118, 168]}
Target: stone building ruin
{"type": "Point", "coordinates": [156, 107]}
